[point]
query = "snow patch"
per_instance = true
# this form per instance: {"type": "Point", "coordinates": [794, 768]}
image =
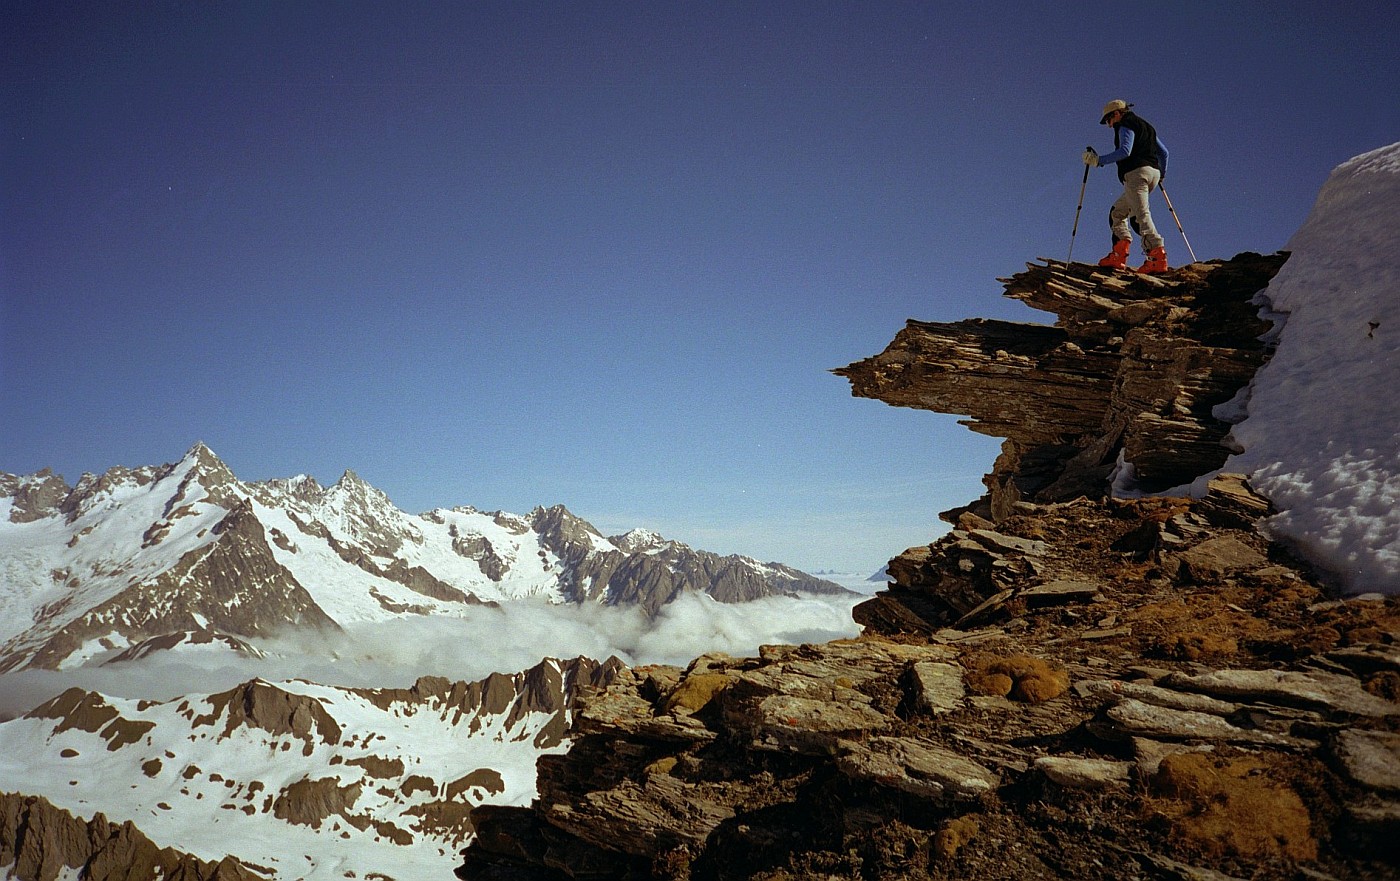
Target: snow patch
{"type": "Point", "coordinates": [1320, 437]}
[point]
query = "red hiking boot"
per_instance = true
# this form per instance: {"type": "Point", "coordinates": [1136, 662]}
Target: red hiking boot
{"type": "Point", "coordinates": [1156, 262]}
{"type": "Point", "coordinates": [1118, 257]}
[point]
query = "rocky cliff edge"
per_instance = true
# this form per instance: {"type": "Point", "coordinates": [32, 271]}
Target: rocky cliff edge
{"type": "Point", "coordinates": [1068, 684]}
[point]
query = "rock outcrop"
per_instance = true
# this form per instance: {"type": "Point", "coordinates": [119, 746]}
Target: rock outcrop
{"type": "Point", "coordinates": [1067, 684]}
{"type": "Point", "coordinates": [1133, 371]}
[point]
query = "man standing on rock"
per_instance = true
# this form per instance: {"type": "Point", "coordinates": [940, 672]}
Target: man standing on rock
{"type": "Point", "coordinates": [1142, 165]}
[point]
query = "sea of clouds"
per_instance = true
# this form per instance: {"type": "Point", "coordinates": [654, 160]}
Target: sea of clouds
{"type": "Point", "coordinates": [505, 639]}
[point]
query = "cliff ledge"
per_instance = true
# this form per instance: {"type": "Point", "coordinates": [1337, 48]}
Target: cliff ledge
{"type": "Point", "coordinates": [1068, 684]}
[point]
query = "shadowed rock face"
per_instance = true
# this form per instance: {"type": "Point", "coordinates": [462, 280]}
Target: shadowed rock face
{"type": "Point", "coordinates": [38, 841]}
{"type": "Point", "coordinates": [1065, 685]}
{"type": "Point", "coordinates": [233, 586]}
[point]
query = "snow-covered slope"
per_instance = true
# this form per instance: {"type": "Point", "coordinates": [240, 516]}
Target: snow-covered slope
{"type": "Point", "coordinates": [90, 571]}
{"type": "Point", "coordinates": [1322, 433]}
{"type": "Point", "coordinates": [305, 780]}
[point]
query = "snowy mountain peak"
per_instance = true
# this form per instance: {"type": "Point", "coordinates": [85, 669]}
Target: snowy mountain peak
{"type": "Point", "coordinates": [186, 559]}
{"type": "Point", "coordinates": [351, 490]}
{"type": "Point", "coordinates": [302, 488]}
{"type": "Point", "coordinates": [569, 537]}
{"type": "Point", "coordinates": [638, 540]}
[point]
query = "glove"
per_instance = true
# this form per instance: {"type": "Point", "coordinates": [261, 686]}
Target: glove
{"type": "Point", "coordinates": [1091, 158]}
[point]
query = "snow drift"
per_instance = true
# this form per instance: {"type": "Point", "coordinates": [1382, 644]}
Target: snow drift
{"type": "Point", "coordinates": [1320, 436]}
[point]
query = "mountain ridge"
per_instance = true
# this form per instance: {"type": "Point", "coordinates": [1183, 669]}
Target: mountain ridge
{"type": "Point", "coordinates": [255, 780]}
{"type": "Point", "coordinates": [135, 554]}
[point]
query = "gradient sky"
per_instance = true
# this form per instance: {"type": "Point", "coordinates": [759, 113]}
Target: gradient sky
{"type": "Point", "coordinates": [505, 254]}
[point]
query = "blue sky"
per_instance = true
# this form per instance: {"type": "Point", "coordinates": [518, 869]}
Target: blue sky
{"type": "Point", "coordinates": [602, 254]}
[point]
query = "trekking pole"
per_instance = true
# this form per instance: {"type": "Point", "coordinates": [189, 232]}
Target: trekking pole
{"type": "Point", "coordinates": [1075, 230]}
{"type": "Point", "coordinates": [1178, 222]}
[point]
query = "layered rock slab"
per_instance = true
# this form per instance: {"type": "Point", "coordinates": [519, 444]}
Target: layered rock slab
{"type": "Point", "coordinates": [1134, 368]}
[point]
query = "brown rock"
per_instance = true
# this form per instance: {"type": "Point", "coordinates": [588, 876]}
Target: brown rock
{"type": "Point", "coordinates": [1066, 398]}
{"type": "Point", "coordinates": [1216, 558]}
{"type": "Point", "coordinates": [39, 842]}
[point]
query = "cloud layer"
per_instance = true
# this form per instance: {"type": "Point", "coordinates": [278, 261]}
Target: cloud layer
{"type": "Point", "coordinates": [486, 640]}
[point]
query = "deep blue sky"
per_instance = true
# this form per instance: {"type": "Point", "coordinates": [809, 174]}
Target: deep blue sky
{"type": "Point", "coordinates": [603, 254]}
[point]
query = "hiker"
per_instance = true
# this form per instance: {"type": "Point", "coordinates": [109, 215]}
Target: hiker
{"type": "Point", "coordinates": [1142, 165]}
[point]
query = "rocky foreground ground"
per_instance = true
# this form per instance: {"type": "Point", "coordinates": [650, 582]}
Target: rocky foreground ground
{"type": "Point", "coordinates": [1066, 685]}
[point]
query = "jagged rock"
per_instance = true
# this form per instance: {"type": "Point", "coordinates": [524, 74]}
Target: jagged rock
{"type": "Point", "coordinates": [39, 842]}
{"type": "Point", "coordinates": [658, 814]}
{"type": "Point", "coordinates": [1066, 398]}
{"type": "Point", "coordinates": [1194, 646]}
{"type": "Point", "coordinates": [259, 704]}
{"type": "Point", "coordinates": [36, 496]}
{"type": "Point", "coordinates": [90, 711]}
{"type": "Point", "coordinates": [309, 802]}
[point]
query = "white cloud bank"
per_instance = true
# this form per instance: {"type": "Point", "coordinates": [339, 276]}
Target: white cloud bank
{"type": "Point", "coordinates": [507, 639]}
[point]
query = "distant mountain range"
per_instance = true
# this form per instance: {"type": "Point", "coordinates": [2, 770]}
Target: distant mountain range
{"type": "Point", "coordinates": [185, 556]}
{"type": "Point", "coordinates": [286, 780]}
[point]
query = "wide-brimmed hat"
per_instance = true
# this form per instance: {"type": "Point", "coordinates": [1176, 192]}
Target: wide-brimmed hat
{"type": "Point", "coordinates": [1112, 106]}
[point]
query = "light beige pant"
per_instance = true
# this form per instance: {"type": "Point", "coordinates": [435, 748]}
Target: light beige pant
{"type": "Point", "coordinates": [1137, 184]}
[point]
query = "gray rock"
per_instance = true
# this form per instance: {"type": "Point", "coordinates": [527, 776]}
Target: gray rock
{"type": "Point", "coordinates": [1314, 688]}
{"type": "Point", "coordinates": [785, 722]}
{"type": "Point", "coordinates": [916, 767]}
{"type": "Point", "coordinates": [1135, 718]}
{"type": "Point", "coordinates": [935, 687]}
{"type": "Point", "coordinates": [1080, 773]}
{"type": "Point", "coordinates": [1371, 758]}
{"type": "Point", "coordinates": [1113, 690]}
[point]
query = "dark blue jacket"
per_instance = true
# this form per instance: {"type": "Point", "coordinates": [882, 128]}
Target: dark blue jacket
{"type": "Point", "coordinates": [1137, 145]}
